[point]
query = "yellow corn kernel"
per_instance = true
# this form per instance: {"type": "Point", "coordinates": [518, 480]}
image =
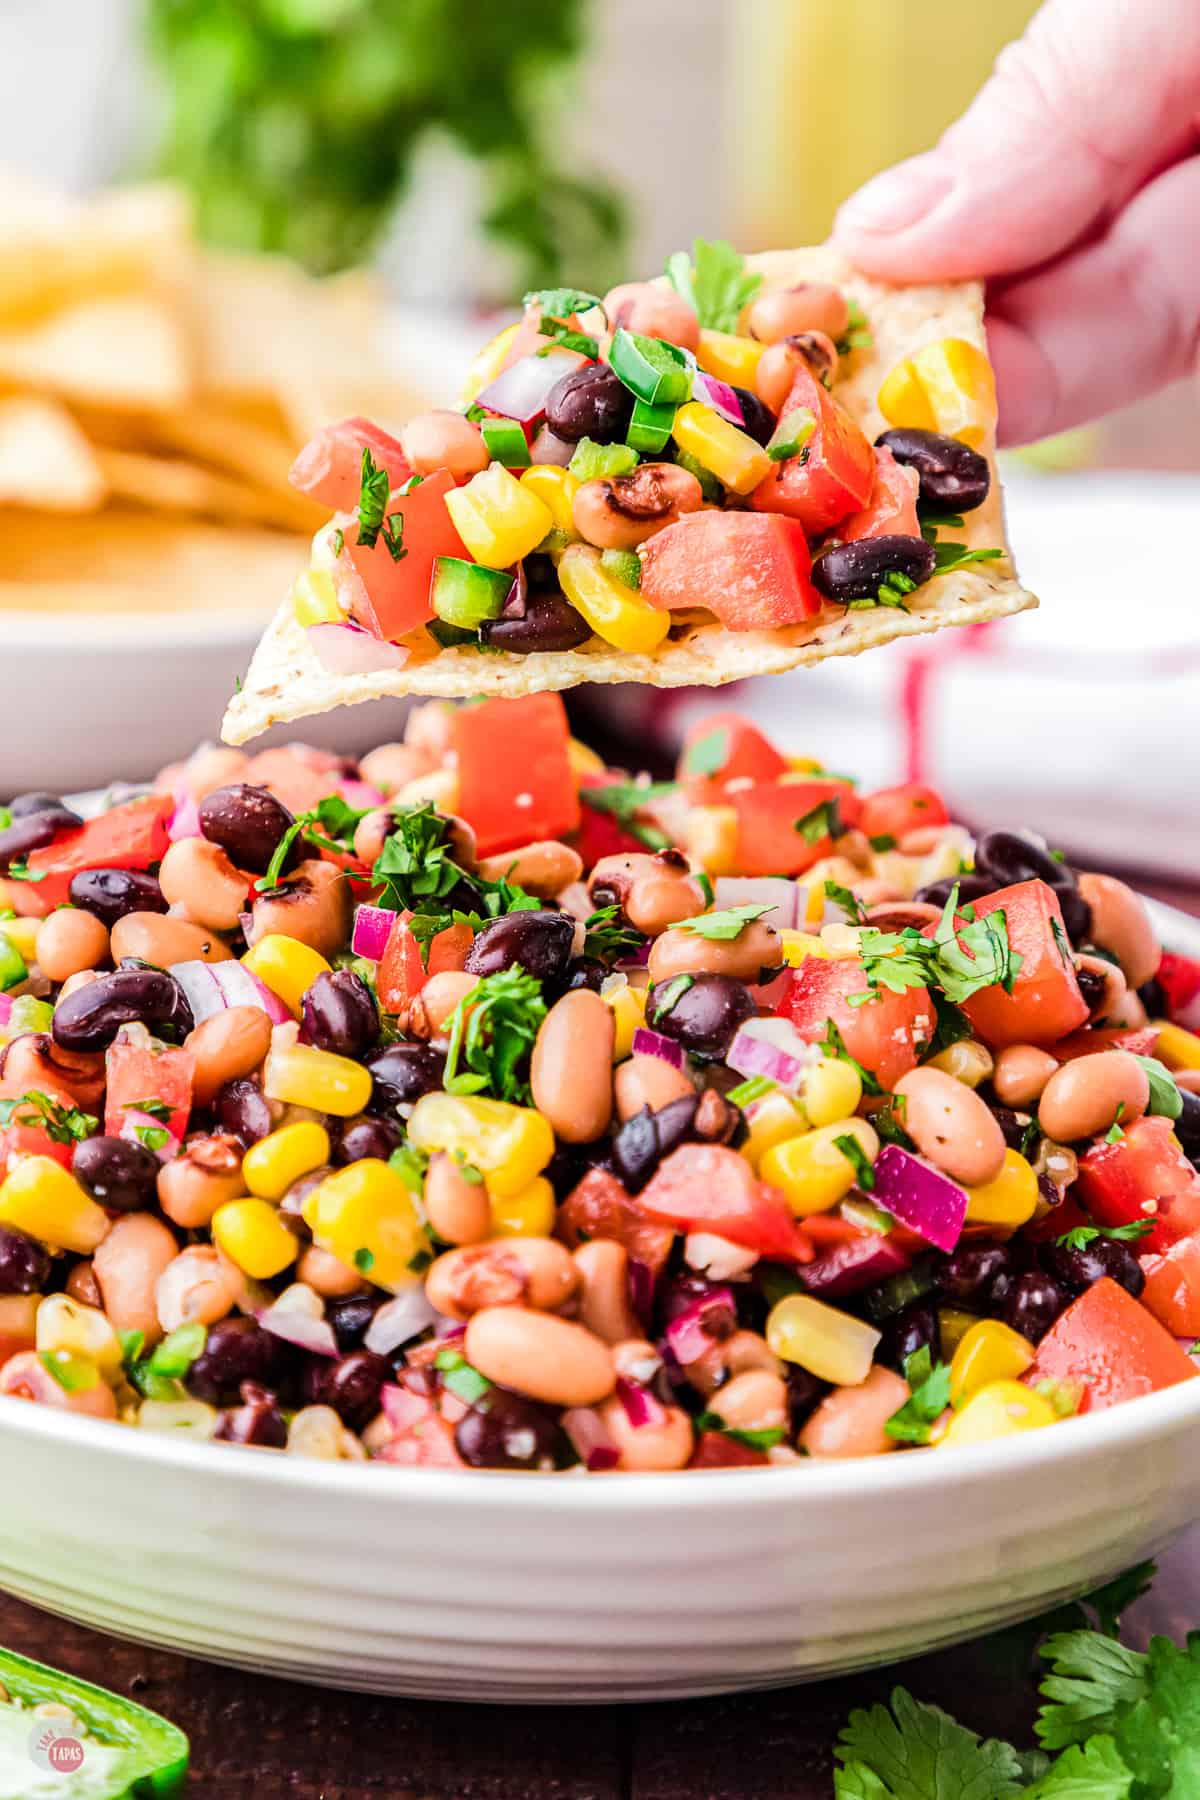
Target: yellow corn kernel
{"type": "Point", "coordinates": [498, 519]}
{"type": "Point", "coordinates": [628, 1007]}
{"type": "Point", "coordinates": [988, 1352]}
{"type": "Point", "coordinates": [1002, 1409]}
{"type": "Point", "coordinates": [314, 598]}
{"type": "Point", "coordinates": [948, 386]}
{"type": "Point", "coordinates": [729, 358]}
{"type": "Point", "coordinates": [286, 966]}
{"type": "Point", "coordinates": [191, 1418]}
{"type": "Point", "coordinates": [1008, 1201]}
{"type": "Point", "coordinates": [270, 1166]}
{"type": "Point", "coordinates": [615, 612]}
{"type": "Point", "coordinates": [953, 1326]}
{"type": "Point", "coordinates": [487, 363]}
{"type": "Point", "coordinates": [583, 759]}
{"type": "Point", "coordinates": [770, 1121]}
{"type": "Point", "coordinates": [826, 1342]}
{"type": "Point", "coordinates": [710, 838]}
{"type": "Point", "coordinates": [832, 1090]}
{"type": "Point", "coordinates": [1178, 1048]}
{"type": "Point", "coordinates": [527, 1214]}
{"type": "Point", "coordinates": [68, 1325]}
{"type": "Point", "coordinates": [22, 935]}
{"type": "Point", "coordinates": [967, 1061]}
{"type": "Point", "coordinates": [509, 1145]}
{"type": "Point", "coordinates": [366, 1216]}
{"type": "Point", "coordinates": [253, 1236]}
{"type": "Point", "coordinates": [557, 488]}
{"type": "Point", "coordinates": [804, 765]}
{"type": "Point", "coordinates": [737, 461]}
{"type": "Point", "coordinates": [43, 1199]}
{"type": "Point", "coordinates": [438, 786]}
{"type": "Point", "coordinates": [302, 1076]}
{"type": "Point", "coordinates": [797, 945]}
{"type": "Point", "coordinates": [811, 1172]}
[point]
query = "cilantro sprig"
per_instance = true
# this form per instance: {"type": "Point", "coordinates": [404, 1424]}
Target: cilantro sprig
{"type": "Point", "coordinates": [714, 281]}
{"type": "Point", "coordinates": [607, 938]}
{"type": "Point", "coordinates": [373, 519]}
{"type": "Point", "coordinates": [913, 1422]}
{"type": "Point", "coordinates": [492, 1032]}
{"type": "Point", "coordinates": [328, 826]}
{"type": "Point", "coordinates": [416, 873]}
{"type": "Point", "coordinates": [623, 800]}
{"type": "Point", "coordinates": [62, 1124]}
{"type": "Point", "coordinates": [959, 960]}
{"type": "Point", "coordinates": [1082, 1235]}
{"type": "Point", "coordinates": [722, 927]}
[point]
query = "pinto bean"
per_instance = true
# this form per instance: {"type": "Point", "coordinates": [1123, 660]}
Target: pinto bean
{"type": "Point", "coordinates": [544, 868]}
{"type": "Point", "coordinates": [663, 1443]}
{"type": "Point", "coordinates": [540, 1356]}
{"type": "Point", "coordinates": [34, 1061]}
{"type": "Point", "coordinates": [226, 1046]}
{"type": "Point", "coordinates": [200, 1284]}
{"type": "Point", "coordinates": [950, 1125]}
{"type": "Point", "coordinates": [754, 1401]}
{"type": "Point", "coordinates": [327, 1274]}
{"type": "Point", "coordinates": [199, 877]}
{"type": "Point", "coordinates": [1021, 1073]}
{"type": "Point", "coordinates": [312, 905]}
{"type": "Point", "coordinates": [536, 1271]}
{"type": "Point", "coordinates": [82, 1285]}
{"type": "Point", "coordinates": [1102, 984]}
{"type": "Point", "coordinates": [648, 1081]}
{"type": "Point", "coordinates": [211, 767]}
{"type": "Point", "coordinates": [750, 956]}
{"type": "Point", "coordinates": [604, 1305]}
{"type": "Point", "coordinates": [734, 1355]}
{"type": "Point", "coordinates": [1091, 1093]}
{"type": "Point", "coordinates": [392, 766]}
{"type": "Point", "coordinates": [851, 1420]}
{"type": "Point", "coordinates": [571, 1070]}
{"type": "Point", "coordinates": [70, 940]}
{"type": "Point", "coordinates": [444, 440]}
{"type": "Point", "coordinates": [25, 1377]}
{"type": "Point", "coordinates": [207, 1174]}
{"type": "Point", "coordinates": [372, 832]}
{"type": "Point", "coordinates": [458, 1210]}
{"type": "Point", "coordinates": [430, 1010]}
{"type": "Point", "coordinates": [622, 512]}
{"type": "Point", "coordinates": [155, 938]}
{"type": "Point", "coordinates": [1121, 924]}
{"type": "Point", "coordinates": [128, 1264]}
{"type": "Point", "coordinates": [777, 366]}
{"type": "Point", "coordinates": [809, 306]}
{"type": "Point", "coordinates": [653, 311]}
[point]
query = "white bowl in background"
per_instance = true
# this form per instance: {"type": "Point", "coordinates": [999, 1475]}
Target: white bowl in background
{"type": "Point", "coordinates": [513, 1587]}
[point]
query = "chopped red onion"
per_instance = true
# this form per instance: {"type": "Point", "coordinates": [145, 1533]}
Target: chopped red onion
{"type": "Point", "coordinates": [520, 391]}
{"type": "Point", "coordinates": [133, 1122]}
{"type": "Point", "coordinates": [634, 959]}
{"type": "Point", "coordinates": [923, 1198]}
{"type": "Point", "coordinates": [372, 925]}
{"type": "Point", "coordinates": [198, 981]}
{"type": "Point", "coordinates": [349, 650]}
{"type": "Point", "coordinates": [587, 1432]}
{"type": "Point", "coordinates": [6, 1007]}
{"type": "Point", "coordinates": [641, 1288]}
{"type": "Point", "coordinates": [775, 891]}
{"type": "Point", "coordinates": [402, 1407]}
{"type": "Point", "coordinates": [720, 396]}
{"type": "Point", "coordinates": [185, 820]}
{"type": "Point", "coordinates": [641, 1407]}
{"type": "Point", "coordinates": [653, 1043]}
{"type": "Point", "coordinates": [759, 1051]}
{"type": "Point", "coordinates": [857, 1264]}
{"type": "Point", "coordinates": [602, 1459]}
{"type": "Point", "coordinates": [360, 794]}
{"type": "Point", "coordinates": [400, 1320]}
{"type": "Point", "coordinates": [242, 987]}
{"type": "Point", "coordinates": [688, 1334]}
{"type": "Point", "coordinates": [298, 1328]}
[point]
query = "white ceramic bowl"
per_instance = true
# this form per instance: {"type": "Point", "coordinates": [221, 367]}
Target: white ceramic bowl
{"type": "Point", "coordinates": [490, 1586]}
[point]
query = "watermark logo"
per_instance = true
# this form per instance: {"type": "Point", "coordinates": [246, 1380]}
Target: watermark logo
{"type": "Point", "coordinates": [55, 1747]}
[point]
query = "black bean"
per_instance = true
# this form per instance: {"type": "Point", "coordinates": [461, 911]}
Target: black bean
{"type": "Point", "coordinates": [540, 942]}
{"type": "Point", "coordinates": [350, 1318]}
{"type": "Point", "coordinates": [587, 972]}
{"type": "Point", "coordinates": [1007, 857]}
{"type": "Point", "coordinates": [592, 402]}
{"type": "Point", "coordinates": [916, 1328]}
{"type": "Point", "coordinates": [237, 1350]}
{"type": "Point", "coordinates": [758, 421]}
{"type": "Point", "coordinates": [505, 1431]}
{"type": "Point", "coordinates": [970, 1273]}
{"type": "Point", "coordinates": [952, 475]}
{"type": "Point", "coordinates": [703, 1015]}
{"type": "Point", "coordinates": [402, 1073]}
{"type": "Point", "coordinates": [857, 571]}
{"type": "Point", "coordinates": [805, 1393]}
{"type": "Point", "coordinates": [257, 1420]}
{"type": "Point", "coordinates": [635, 1149]}
{"type": "Point", "coordinates": [24, 1265]}
{"type": "Point", "coordinates": [90, 1018]}
{"type": "Point", "coordinates": [1014, 1125]}
{"type": "Point", "coordinates": [32, 831]}
{"type": "Point", "coordinates": [1092, 986]}
{"type": "Point", "coordinates": [1187, 1125]}
{"type": "Point", "coordinates": [546, 622]}
{"type": "Point", "coordinates": [117, 1173]}
{"type": "Point", "coordinates": [570, 1163]}
{"type": "Point", "coordinates": [241, 1109]}
{"type": "Point", "coordinates": [970, 887]}
{"type": "Point", "coordinates": [338, 1013]}
{"type": "Point", "coordinates": [369, 1135]}
{"type": "Point", "coordinates": [23, 804]}
{"type": "Point", "coordinates": [352, 1385]}
{"type": "Point", "coordinates": [111, 893]}
{"type": "Point", "coordinates": [1033, 1303]}
{"type": "Point", "coordinates": [1078, 1269]}
{"type": "Point", "coordinates": [247, 822]}
{"type": "Point", "coordinates": [1153, 997]}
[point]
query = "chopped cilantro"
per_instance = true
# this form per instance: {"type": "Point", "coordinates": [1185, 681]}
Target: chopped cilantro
{"type": "Point", "coordinates": [849, 902]}
{"type": "Point", "coordinates": [715, 283]}
{"type": "Point", "coordinates": [21, 871]}
{"type": "Point", "coordinates": [1083, 1235]}
{"type": "Point", "coordinates": [559, 303]}
{"type": "Point", "coordinates": [882, 841]}
{"type": "Point", "coordinates": [930, 1396]}
{"type": "Point", "coordinates": [374, 491]}
{"type": "Point", "coordinates": [833, 1045]}
{"type": "Point", "coordinates": [328, 826]}
{"type": "Point", "coordinates": [821, 821]}
{"type": "Point", "coordinates": [957, 556]}
{"type": "Point", "coordinates": [723, 927]}
{"type": "Point", "coordinates": [1165, 1098]}
{"type": "Point", "coordinates": [154, 1109]}
{"type": "Point", "coordinates": [153, 1137]}
{"type": "Point", "coordinates": [857, 335]}
{"type": "Point", "coordinates": [62, 1124]}
{"type": "Point", "coordinates": [707, 754]}
{"type": "Point", "coordinates": [607, 938]}
{"type": "Point", "coordinates": [410, 1165]}
{"type": "Point", "coordinates": [492, 1030]}
{"type": "Point", "coordinates": [1114, 1134]}
{"type": "Point", "coordinates": [762, 1439]}
{"type": "Point", "coordinates": [860, 1162]}
{"type": "Point", "coordinates": [623, 800]}
{"type": "Point", "coordinates": [364, 1260]}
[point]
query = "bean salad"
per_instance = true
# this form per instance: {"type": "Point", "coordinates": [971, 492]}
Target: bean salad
{"type": "Point", "coordinates": [477, 1105]}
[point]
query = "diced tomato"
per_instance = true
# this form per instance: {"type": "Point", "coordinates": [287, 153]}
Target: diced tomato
{"type": "Point", "coordinates": [24, 1138]}
{"type": "Point", "coordinates": [391, 597]}
{"type": "Point", "coordinates": [599, 834]}
{"type": "Point", "coordinates": [1108, 1341]}
{"type": "Point", "coordinates": [1064, 1217]}
{"type": "Point", "coordinates": [1143, 1176]}
{"type": "Point", "coordinates": [402, 971]}
{"type": "Point", "coordinates": [1172, 1290]}
{"type": "Point", "coordinates": [330, 465]}
{"type": "Point", "coordinates": [600, 1207]}
{"type": "Point", "coordinates": [515, 781]}
{"type": "Point", "coordinates": [894, 812]}
{"type": "Point", "coordinates": [705, 1187]}
{"type": "Point", "coordinates": [725, 747]}
{"type": "Point", "coordinates": [834, 474]}
{"type": "Point", "coordinates": [753, 570]}
{"type": "Point", "coordinates": [421, 1436]}
{"type": "Point", "coordinates": [714, 1450]}
{"type": "Point", "coordinates": [132, 836]}
{"type": "Point", "coordinates": [860, 1262]}
{"type": "Point", "coordinates": [1045, 1003]}
{"type": "Point", "coordinates": [887, 1034]}
{"type": "Point", "coordinates": [780, 827]}
{"type": "Point", "coordinates": [1179, 979]}
{"type": "Point", "coordinates": [136, 1075]}
{"type": "Point", "coordinates": [1139, 1040]}
{"type": "Point", "coordinates": [892, 509]}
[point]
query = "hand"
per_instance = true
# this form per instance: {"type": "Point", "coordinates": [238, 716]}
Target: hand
{"type": "Point", "coordinates": [1073, 184]}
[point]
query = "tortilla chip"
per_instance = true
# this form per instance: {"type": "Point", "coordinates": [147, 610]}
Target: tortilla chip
{"type": "Point", "coordinates": [45, 460]}
{"type": "Point", "coordinates": [121, 350]}
{"type": "Point", "coordinates": [286, 680]}
{"type": "Point", "coordinates": [170, 484]}
{"type": "Point", "coordinates": [55, 250]}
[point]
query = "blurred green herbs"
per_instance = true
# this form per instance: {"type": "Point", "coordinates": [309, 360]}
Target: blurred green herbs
{"type": "Point", "coordinates": [295, 123]}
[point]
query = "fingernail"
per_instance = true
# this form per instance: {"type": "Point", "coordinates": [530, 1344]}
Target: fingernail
{"type": "Point", "coordinates": [899, 197]}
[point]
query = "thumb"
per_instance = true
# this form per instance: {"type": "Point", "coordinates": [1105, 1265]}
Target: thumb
{"type": "Point", "coordinates": [1078, 113]}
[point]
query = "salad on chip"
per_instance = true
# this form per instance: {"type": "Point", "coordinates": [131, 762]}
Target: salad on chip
{"type": "Point", "coordinates": [745, 466]}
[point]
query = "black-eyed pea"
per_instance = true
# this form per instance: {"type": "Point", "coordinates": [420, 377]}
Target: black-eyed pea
{"type": "Point", "coordinates": [665, 1442]}
{"type": "Point", "coordinates": [312, 904]}
{"type": "Point", "coordinates": [604, 1305]}
{"type": "Point", "coordinates": [621, 512]}
{"type": "Point", "coordinates": [541, 1356]}
{"type": "Point", "coordinates": [649, 1081]}
{"type": "Point", "coordinates": [128, 1265]}
{"type": "Point", "coordinates": [430, 1011]}
{"type": "Point", "coordinates": [950, 1125]}
{"type": "Point", "coordinates": [1021, 1073]}
{"type": "Point", "coordinates": [544, 868]}
{"type": "Point", "coordinates": [571, 1069]}
{"type": "Point", "coordinates": [661, 898]}
{"type": "Point", "coordinates": [753, 954]}
{"type": "Point", "coordinates": [776, 369]}
{"type": "Point", "coordinates": [754, 1401]}
{"type": "Point", "coordinates": [456, 1205]}
{"type": "Point", "coordinates": [225, 1046]}
{"type": "Point", "coordinates": [70, 940]}
{"type": "Point", "coordinates": [371, 832]}
{"type": "Point", "coordinates": [536, 1272]}
{"type": "Point", "coordinates": [327, 1274]}
{"type": "Point", "coordinates": [1121, 924]}
{"type": "Point", "coordinates": [1090, 1094]}
{"type": "Point", "coordinates": [206, 1173]}
{"type": "Point", "coordinates": [155, 938]}
{"type": "Point", "coordinates": [199, 1284]}
{"type": "Point", "coordinates": [444, 440]}
{"type": "Point", "coordinates": [653, 311]}
{"type": "Point", "coordinates": [734, 1355]}
{"type": "Point", "coordinates": [784, 312]}
{"type": "Point", "coordinates": [211, 767]}
{"type": "Point", "coordinates": [716, 1257]}
{"type": "Point", "coordinates": [851, 1420]}
{"type": "Point", "coordinates": [199, 878]}
{"type": "Point", "coordinates": [392, 766]}
{"type": "Point", "coordinates": [1104, 985]}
